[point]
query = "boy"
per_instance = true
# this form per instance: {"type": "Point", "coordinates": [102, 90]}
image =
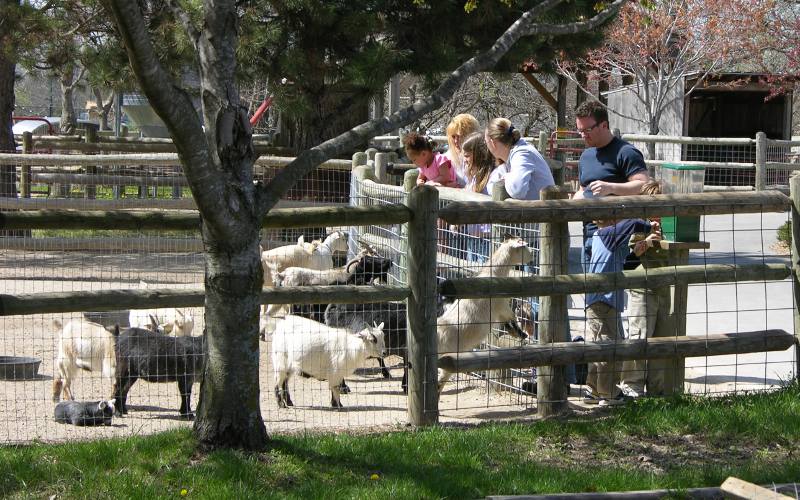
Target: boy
{"type": "Point", "coordinates": [603, 309]}
{"type": "Point", "coordinates": [648, 314]}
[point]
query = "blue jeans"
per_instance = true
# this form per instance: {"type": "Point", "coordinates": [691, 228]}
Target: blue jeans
{"type": "Point", "coordinates": [478, 249]}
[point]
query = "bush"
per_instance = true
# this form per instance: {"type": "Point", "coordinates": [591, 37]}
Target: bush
{"type": "Point", "coordinates": [785, 233]}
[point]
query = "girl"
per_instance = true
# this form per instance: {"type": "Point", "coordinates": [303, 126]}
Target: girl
{"type": "Point", "coordinates": [434, 168]}
{"type": "Point", "coordinates": [479, 167]}
{"type": "Point", "coordinates": [459, 128]}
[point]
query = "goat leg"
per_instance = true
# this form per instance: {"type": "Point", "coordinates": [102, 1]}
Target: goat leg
{"type": "Point", "coordinates": [185, 388]}
{"type": "Point", "coordinates": [287, 399]}
{"type": "Point", "coordinates": [384, 370]}
{"type": "Point", "coordinates": [344, 388]}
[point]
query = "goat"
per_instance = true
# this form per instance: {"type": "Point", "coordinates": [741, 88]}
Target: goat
{"type": "Point", "coordinates": [311, 349]}
{"type": "Point", "coordinates": [84, 413]}
{"type": "Point", "coordinates": [85, 345]}
{"type": "Point", "coordinates": [178, 322]}
{"type": "Point", "coordinates": [371, 268]}
{"type": "Point", "coordinates": [467, 322]}
{"type": "Point", "coordinates": [390, 314]}
{"type": "Point", "coordinates": [304, 276]}
{"type": "Point", "coordinates": [156, 357]}
{"type": "Point", "coordinates": [314, 255]}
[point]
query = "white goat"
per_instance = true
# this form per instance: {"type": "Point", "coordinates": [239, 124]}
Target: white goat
{"type": "Point", "coordinates": [311, 349]}
{"type": "Point", "coordinates": [304, 276]}
{"type": "Point", "coordinates": [314, 255]}
{"type": "Point", "coordinates": [467, 322]}
{"type": "Point", "coordinates": [169, 320]}
{"type": "Point", "coordinates": [85, 345]}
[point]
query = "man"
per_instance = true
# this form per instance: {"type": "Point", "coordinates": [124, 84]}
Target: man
{"type": "Point", "coordinates": [608, 166]}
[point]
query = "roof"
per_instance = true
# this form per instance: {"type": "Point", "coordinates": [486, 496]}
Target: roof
{"type": "Point", "coordinates": [38, 127]}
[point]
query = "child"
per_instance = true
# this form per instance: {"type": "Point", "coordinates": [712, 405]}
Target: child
{"type": "Point", "coordinates": [603, 309]}
{"type": "Point", "coordinates": [434, 168]}
{"type": "Point", "coordinates": [648, 314]}
{"type": "Point", "coordinates": [480, 172]}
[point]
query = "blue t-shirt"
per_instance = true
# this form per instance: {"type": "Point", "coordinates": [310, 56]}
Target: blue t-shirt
{"type": "Point", "coordinates": [614, 162]}
{"type": "Point", "coordinates": [609, 250]}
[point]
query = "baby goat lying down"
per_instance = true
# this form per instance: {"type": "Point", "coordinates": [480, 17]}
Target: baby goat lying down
{"type": "Point", "coordinates": [84, 413]}
{"type": "Point", "coordinates": [467, 322]}
{"type": "Point", "coordinates": [310, 349]}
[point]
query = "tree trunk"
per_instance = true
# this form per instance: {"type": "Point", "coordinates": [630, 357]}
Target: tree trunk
{"type": "Point", "coordinates": [68, 118]}
{"type": "Point", "coordinates": [228, 412]}
{"type": "Point", "coordinates": [8, 173]}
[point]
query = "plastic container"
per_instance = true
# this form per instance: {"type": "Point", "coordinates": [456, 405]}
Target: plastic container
{"type": "Point", "coordinates": [681, 179]}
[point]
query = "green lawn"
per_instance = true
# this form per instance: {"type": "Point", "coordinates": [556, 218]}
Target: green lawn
{"type": "Point", "coordinates": [650, 444]}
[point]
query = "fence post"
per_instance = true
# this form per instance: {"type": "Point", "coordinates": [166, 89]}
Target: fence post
{"type": "Point", "coordinates": [359, 158]}
{"type": "Point", "coordinates": [381, 160]}
{"type": "Point", "coordinates": [761, 161]}
{"type": "Point", "coordinates": [423, 394]}
{"type": "Point", "coordinates": [25, 172]}
{"type": "Point", "coordinates": [551, 381]}
{"type": "Point", "coordinates": [91, 138]}
{"type": "Point", "coordinates": [794, 190]}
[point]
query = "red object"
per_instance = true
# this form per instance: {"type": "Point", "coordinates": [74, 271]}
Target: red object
{"type": "Point", "coordinates": [260, 111]}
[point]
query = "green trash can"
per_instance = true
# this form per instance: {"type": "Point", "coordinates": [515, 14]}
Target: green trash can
{"type": "Point", "coordinates": [681, 179]}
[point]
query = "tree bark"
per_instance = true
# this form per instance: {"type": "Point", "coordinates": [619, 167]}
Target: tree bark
{"type": "Point", "coordinates": [8, 173]}
{"type": "Point", "coordinates": [228, 412]}
{"type": "Point", "coordinates": [68, 118]}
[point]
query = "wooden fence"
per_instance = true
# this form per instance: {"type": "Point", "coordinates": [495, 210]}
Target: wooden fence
{"type": "Point", "coordinates": [420, 214]}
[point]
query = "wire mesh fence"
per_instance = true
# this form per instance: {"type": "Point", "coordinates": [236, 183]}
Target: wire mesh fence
{"type": "Point", "coordinates": [26, 410]}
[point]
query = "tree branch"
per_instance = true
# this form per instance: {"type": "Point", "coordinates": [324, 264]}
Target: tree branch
{"type": "Point", "coordinates": [309, 159]}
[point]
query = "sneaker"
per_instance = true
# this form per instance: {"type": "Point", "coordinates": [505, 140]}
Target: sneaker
{"type": "Point", "coordinates": [615, 401]}
{"type": "Point", "coordinates": [590, 398]}
{"type": "Point", "coordinates": [628, 391]}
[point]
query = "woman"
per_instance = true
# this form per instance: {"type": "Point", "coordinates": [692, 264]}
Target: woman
{"type": "Point", "coordinates": [457, 130]}
{"type": "Point", "coordinates": [525, 170]}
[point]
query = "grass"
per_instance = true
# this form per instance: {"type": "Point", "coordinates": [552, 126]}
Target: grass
{"type": "Point", "coordinates": [649, 444]}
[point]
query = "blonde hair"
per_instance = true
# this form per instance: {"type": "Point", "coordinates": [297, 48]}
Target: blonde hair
{"type": "Point", "coordinates": [463, 124]}
{"type": "Point", "coordinates": [482, 162]}
{"type": "Point", "coordinates": [503, 131]}
{"type": "Point", "coordinates": [651, 187]}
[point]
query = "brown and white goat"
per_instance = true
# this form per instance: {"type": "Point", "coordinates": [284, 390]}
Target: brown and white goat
{"type": "Point", "coordinates": [82, 345]}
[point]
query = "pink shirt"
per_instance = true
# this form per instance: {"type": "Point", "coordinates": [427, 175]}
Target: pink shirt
{"type": "Point", "coordinates": [431, 172]}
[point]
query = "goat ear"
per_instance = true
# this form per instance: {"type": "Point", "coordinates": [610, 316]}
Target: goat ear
{"type": "Point", "coordinates": [153, 326]}
{"type": "Point", "coordinates": [301, 240]}
{"type": "Point", "coordinates": [379, 327]}
{"type": "Point", "coordinates": [102, 405]}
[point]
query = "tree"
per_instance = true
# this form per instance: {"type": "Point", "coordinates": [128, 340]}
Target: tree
{"type": "Point", "coordinates": [335, 55]}
{"type": "Point", "coordinates": [653, 44]}
{"type": "Point", "coordinates": [217, 154]}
